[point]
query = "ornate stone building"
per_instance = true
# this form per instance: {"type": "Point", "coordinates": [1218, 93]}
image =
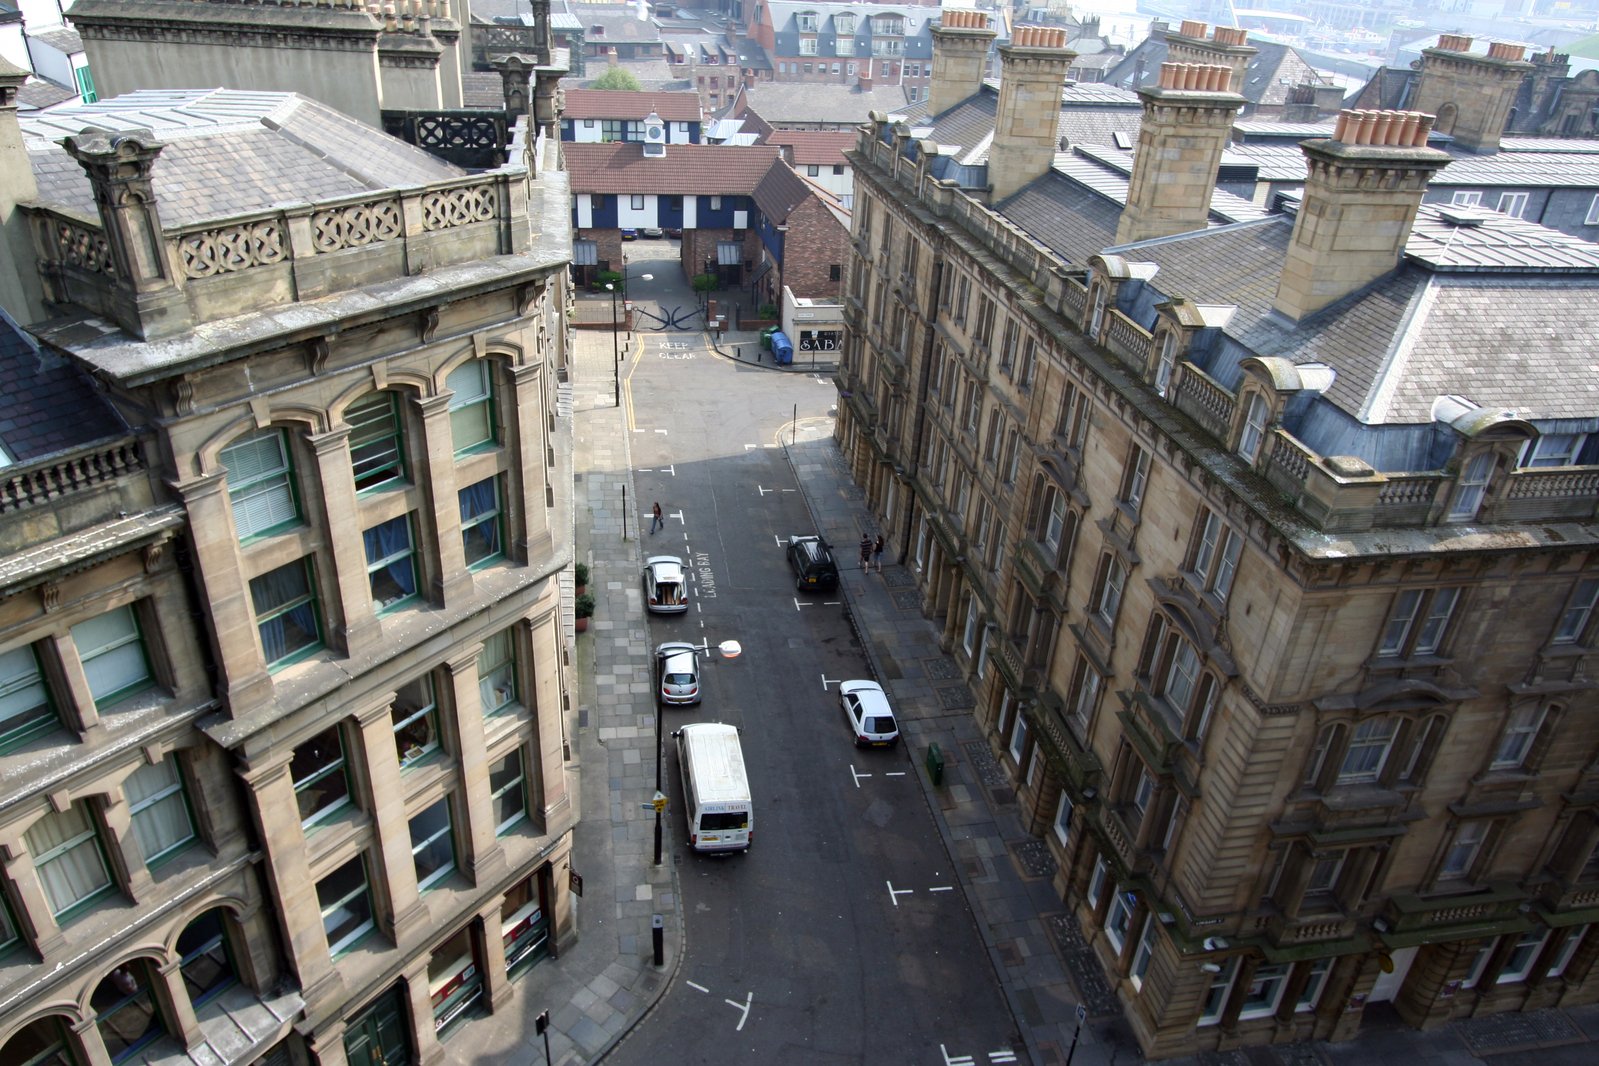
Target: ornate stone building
{"type": "Point", "coordinates": [1267, 542]}
{"type": "Point", "coordinates": [285, 511]}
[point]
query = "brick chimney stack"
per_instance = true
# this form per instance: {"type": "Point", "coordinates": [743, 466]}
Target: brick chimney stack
{"type": "Point", "coordinates": [1032, 72]}
{"type": "Point", "coordinates": [20, 291]}
{"type": "Point", "coordinates": [1471, 94]}
{"type": "Point", "coordinates": [1188, 120]}
{"type": "Point", "coordinates": [1362, 189]}
{"type": "Point", "coordinates": [960, 58]}
{"type": "Point", "coordinates": [1226, 47]}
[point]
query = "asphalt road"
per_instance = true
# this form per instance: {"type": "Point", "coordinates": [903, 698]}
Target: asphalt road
{"type": "Point", "coordinates": [808, 948]}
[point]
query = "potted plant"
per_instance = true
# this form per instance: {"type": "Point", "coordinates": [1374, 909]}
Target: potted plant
{"type": "Point", "coordinates": [583, 608]}
{"type": "Point", "coordinates": [580, 577]}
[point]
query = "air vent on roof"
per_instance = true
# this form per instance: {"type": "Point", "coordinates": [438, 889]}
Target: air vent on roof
{"type": "Point", "coordinates": [1462, 216]}
{"type": "Point", "coordinates": [1286, 203]}
{"type": "Point", "coordinates": [1122, 140]}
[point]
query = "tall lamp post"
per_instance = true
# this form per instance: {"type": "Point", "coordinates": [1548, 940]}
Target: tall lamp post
{"type": "Point", "coordinates": [728, 649]}
{"type": "Point", "coordinates": [616, 344]}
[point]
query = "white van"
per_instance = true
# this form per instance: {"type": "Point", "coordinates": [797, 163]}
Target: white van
{"type": "Point", "coordinates": [716, 792]}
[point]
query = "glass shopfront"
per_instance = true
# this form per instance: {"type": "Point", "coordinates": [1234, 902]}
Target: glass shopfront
{"type": "Point", "coordinates": [455, 980]}
{"type": "Point", "coordinates": [524, 928]}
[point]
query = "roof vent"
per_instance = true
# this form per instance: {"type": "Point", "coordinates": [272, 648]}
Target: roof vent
{"type": "Point", "coordinates": [1462, 216]}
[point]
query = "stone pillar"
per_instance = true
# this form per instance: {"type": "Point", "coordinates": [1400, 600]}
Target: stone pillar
{"type": "Point", "coordinates": [255, 956]}
{"type": "Point", "coordinates": [1497, 957]}
{"type": "Point", "coordinates": [1135, 932]}
{"type": "Point", "coordinates": [452, 582]}
{"type": "Point", "coordinates": [35, 918]}
{"type": "Point", "coordinates": [327, 1045]}
{"type": "Point", "coordinates": [516, 72]}
{"type": "Point", "coordinates": [531, 472]}
{"type": "Point", "coordinates": [960, 58]}
{"type": "Point", "coordinates": [176, 1005]}
{"type": "Point", "coordinates": [123, 852]}
{"type": "Point", "coordinates": [546, 107]}
{"type": "Point", "coordinates": [79, 705]}
{"type": "Point", "coordinates": [489, 943]}
{"type": "Point", "coordinates": [483, 857]}
{"type": "Point", "coordinates": [1471, 94]}
{"type": "Point", "coordinates": [1033, 72]}
{"type": "Point", "coordinates": [394, 879]}
{"type": "Point", "coordinates": [358, 624]}
{"type": "Point", "coordinates": [20, 287]}
{"type": "Point", "coordinates": [1188, 120]}
{"type": "Point", "coordinates": [548, 698]}
{"type": "Point", "coordinates": [423, 1033]}
{"type": "Point", "coordinates": [87, 1035]}
{"type": "Point", "coordinates": [245, 681]}
{"type": "Point", "coordinates": [146, 300]}
{"type": "Point", "coordinates": [277, 815]}
{"type": "Point", "coordinates": [1247, 965]}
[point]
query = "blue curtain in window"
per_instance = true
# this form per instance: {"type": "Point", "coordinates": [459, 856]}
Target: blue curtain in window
{"type": "Point", "coordinates": [388, 539]}
{"type": "Point", "coordinates": [294, 628]}
{"type": "Point", "coordinates": [478, 500]}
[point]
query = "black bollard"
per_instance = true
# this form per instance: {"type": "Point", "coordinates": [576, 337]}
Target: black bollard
{"type": "Point", "coordinates": [658, 934]}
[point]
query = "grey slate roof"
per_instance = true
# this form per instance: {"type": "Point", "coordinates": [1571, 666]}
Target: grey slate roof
{"type": "Point", "coordinates": [781, 102]}
{"type": "Point", "coordinates": [47, 404]}
{"type": "Point", "coordinates": [1263, 76]}
{"type": "Point", "coordinates": [1090, 114]}
{"type": "Point", "coordinates": [230, 152]}
{"type": "Point", "coordinates": [1065, 216]}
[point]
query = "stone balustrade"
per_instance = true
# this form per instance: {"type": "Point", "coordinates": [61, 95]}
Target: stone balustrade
{"type": "Point", "coordinates": [57, 476]}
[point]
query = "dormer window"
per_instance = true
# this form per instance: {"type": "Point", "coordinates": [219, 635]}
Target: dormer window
{"type": "Point", "coordinates": [1253, 435]}
{"type": "Point", "coordinates": [806, 21]}
{"type": "Point", "coordinates": [1167, 361]}
{"type": "Point", "coordinates": [844, 24]}
{"type": "Point", "coordinates": [1471, 487]}
{"type": "Point", "coordinates": [1553, 449]}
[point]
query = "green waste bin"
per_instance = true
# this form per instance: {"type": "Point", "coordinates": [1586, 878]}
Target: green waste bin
{"type": "Point", "coordinates": [935, 764]}
{"type": "Point", "coordinates": [766, 337]}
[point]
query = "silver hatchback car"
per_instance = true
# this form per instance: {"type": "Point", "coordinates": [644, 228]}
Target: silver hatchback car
{"type": "Point", "coordinates": [677, 673]}
{"type": "Point", "coordinates": [665, 585]}
{"type": "Point", "coordinates": [871, 719]}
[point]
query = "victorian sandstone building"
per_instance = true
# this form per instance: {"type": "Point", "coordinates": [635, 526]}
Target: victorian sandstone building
{"type": "Point", "coordinates": [1267, 541]}
{"type": "Point", "coordinates": [284, 506]}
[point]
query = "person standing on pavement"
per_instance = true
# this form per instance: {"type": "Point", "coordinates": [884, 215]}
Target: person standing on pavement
{"type": "Point", "coordinates": [877, 553]}
{"type": "Point", "coordinates": [656, 520]}
{"type": "Point", "coordinates": [866, 552]}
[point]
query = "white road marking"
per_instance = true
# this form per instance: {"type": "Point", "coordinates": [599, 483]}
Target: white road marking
{"type": "Point", "coordinates": [832, 603]}
{"type": "Point", "coordinates": [798, 603]}
{"type": "Point", "coordinates": [826, 681]}
{"type": "Point", "coordinates": [943, 888]}
{"type": "Point", "coordinates": [749, 997]}
{"type": "Point", "coordinates": [791, 490]}
{"type": "Point", "coordinates": [763, 491]}
{"type": "Point", "coordinates": [669, 469]}
{"type": "Point", "coordinates": [695, 987]}
{"type": "Point", "coordinates": [895, 893]}
{"type": "Point", "coordinates": [956, 1060]}
{"type": "Point", "coordinates": [1002, 1055]}
{"type": "Point", "coordinates": [895, 773]}
{"type": "Point", "coordinates": [747, 447]}
{"type": "Point", "coordinates": [857, 775]}
{"type": "Point", "coordinates": [662, 432]}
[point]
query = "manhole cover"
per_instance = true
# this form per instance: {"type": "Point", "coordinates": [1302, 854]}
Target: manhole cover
{"type": "Point", "coordinates": [955, 698]}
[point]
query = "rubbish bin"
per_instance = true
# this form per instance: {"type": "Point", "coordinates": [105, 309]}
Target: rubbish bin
{"type": "Point", "coordinates": [935, 764]}
{"type": "Point", "coordinates": [782, 349]}
{"type": "Point", "coordinates": [766, 338]}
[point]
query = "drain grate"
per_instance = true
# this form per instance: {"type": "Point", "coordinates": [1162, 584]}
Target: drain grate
{"type": "Point", "coordinates": [982, 763]}
{"type": "Point", "coordinates": [1496, 1033]}
{"type": "Point", "coordinates": [908, 600]}
{"type": "Point", "coordinates": [1034, 858]}
{"type": "Point", "coordinates": [955, 698]}
{"type": "Point", "coordinates": [941, 668]}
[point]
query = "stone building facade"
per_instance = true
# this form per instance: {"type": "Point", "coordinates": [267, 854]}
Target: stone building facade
{"type": "Point", "coordinates": [1286, 647]}
{"type": "Point", "coordinates": [285, 652]}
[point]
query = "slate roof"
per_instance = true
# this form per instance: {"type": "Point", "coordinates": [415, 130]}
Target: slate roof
{"type": "Point", "coordinates": [482, 88]}
{"type": "Point", "coordinates": [781, 190]}
{"type": "Point", "coordinates": [37, 93]}
{"type": "Point", "coordinates": [814, 147]}
{"type": "Point", "coordinates": [1066, 216]}
{"type": "Point", "coordinates": [685, 169]}
{"type": "Point", "coordinates": [47, 404]}
{"type": "Point", "coordinates": [62, 39]}
{"type": "Point", "coordinates": [1091, 113]}
{"type": "Point", "coordinates": [230, 152]}
{"type": "Point", "coordinates": [1268, 76]}
{"type": "Point", "coordinates": [811, 105]}
{"type": "Point", "coordinates": [610, 103]}
{"type": "Point", "coordinates": [1508, 329]}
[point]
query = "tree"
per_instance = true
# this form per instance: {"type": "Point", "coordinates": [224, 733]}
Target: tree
{"type": "Point", "coordinates": [616, 78]}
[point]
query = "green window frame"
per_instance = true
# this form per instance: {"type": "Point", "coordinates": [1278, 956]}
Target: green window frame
{"type": "Point", "coordinates": [84, 78]}
{"type": "Point", "coordinates": [111, 649]}
{"type": "Point", "coordinates": [261, 485]}
{"type": "Point", "coordinates": [471, 406]}
{"type": "Point", "coordinates": [377, 443]}
{"type": "Point", "coordinates": [286, 615]}
{"type": "Point", "coordinates": [346, 901]}
{"type": "Point", "coordinates": [163, 824]}
{"type": "Point", "coordinates": [205, 958]}
{"type": "Point", "coordinates": [433, 844]}
{"type": "Point", "coordinates": [496, 673]}
{"type": "Point", "coordinates": [26, 707]}
{"type": "Point", "coordinates": [391, 564]}
{"type": "Point", "coordinates": [508, 788]}
{"type": "Point", "coordinates": [321, 786]}
{"type": "Point", "coordinates": [482, 532]}
{"type": "Point", "coordinates": [69, 857]}
{"type": "Point", "coordinates": [415, 712]}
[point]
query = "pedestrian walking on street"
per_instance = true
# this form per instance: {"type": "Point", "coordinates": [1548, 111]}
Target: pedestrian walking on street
{"type": "Point", "coordinates": [656, 521]}
{"type": "Point", "coordinates": [866, 553]}
{"type": "Point", "coordinates": [877, 553]}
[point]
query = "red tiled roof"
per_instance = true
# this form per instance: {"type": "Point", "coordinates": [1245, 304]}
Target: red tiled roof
{"type": "Point", "coordinates": [613, 103]}
{"type": "Point", "coordinates": [815, 147]}
{"type": "Point", "coordinates": [685, 170]}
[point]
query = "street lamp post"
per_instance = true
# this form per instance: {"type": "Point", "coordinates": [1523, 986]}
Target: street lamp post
{"type": "Point", "coordinates": [728, 649]}
{"type": "Point", "coordinates": [616, 344]}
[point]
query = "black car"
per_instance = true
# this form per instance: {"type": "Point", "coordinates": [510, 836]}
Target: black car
{"type": "Point", "coordinates": [812, 560]}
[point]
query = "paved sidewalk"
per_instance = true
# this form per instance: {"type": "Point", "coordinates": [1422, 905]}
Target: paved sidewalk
{"type": "Point", "coordinates": [607, 981]}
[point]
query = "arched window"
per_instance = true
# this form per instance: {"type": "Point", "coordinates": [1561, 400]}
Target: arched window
{"type": "Point", "coordinates": [471, 405]}
{"type": "Point", "coordinates": [125, 1009]}
{"type": "Point", "coordinates": [205, 962]}
{"type": "Point", "coordinates": [377, 444]}
{"type": "Point", "coordinates": [40, 1043]}
{"type": "Point", "coordinates": [261, 483]}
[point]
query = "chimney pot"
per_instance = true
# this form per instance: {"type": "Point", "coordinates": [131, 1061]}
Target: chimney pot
{"type": "Point", "coordinates": [1515, 53]}
{"type": "Point", "coordinates": [1192, 28]}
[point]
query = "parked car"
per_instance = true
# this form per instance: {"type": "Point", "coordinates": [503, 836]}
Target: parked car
{"type": "Point", "coordinates": [651, 231]}
{"type": "Point", "coordinates": [664, 589]}
{"type": "Point", "coordinates": [812, 561]}
{"type": "Point", "coordinates": [869, 714]}
{"type": "Point", "coordinates": [630, 235]}
{"type": "Point", "coordinates": [677, 673]}
{"type": "Point", "coordinates": [674, 233]}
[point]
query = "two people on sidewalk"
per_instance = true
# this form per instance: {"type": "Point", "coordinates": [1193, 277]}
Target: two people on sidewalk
{"type": "Point", "coordinates": [872, 553]}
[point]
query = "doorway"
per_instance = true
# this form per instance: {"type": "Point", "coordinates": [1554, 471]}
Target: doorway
{"type": "Point", "coordinates": [377, 1036]}
{"type": "Point", "coordinates": [1387, 985]}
